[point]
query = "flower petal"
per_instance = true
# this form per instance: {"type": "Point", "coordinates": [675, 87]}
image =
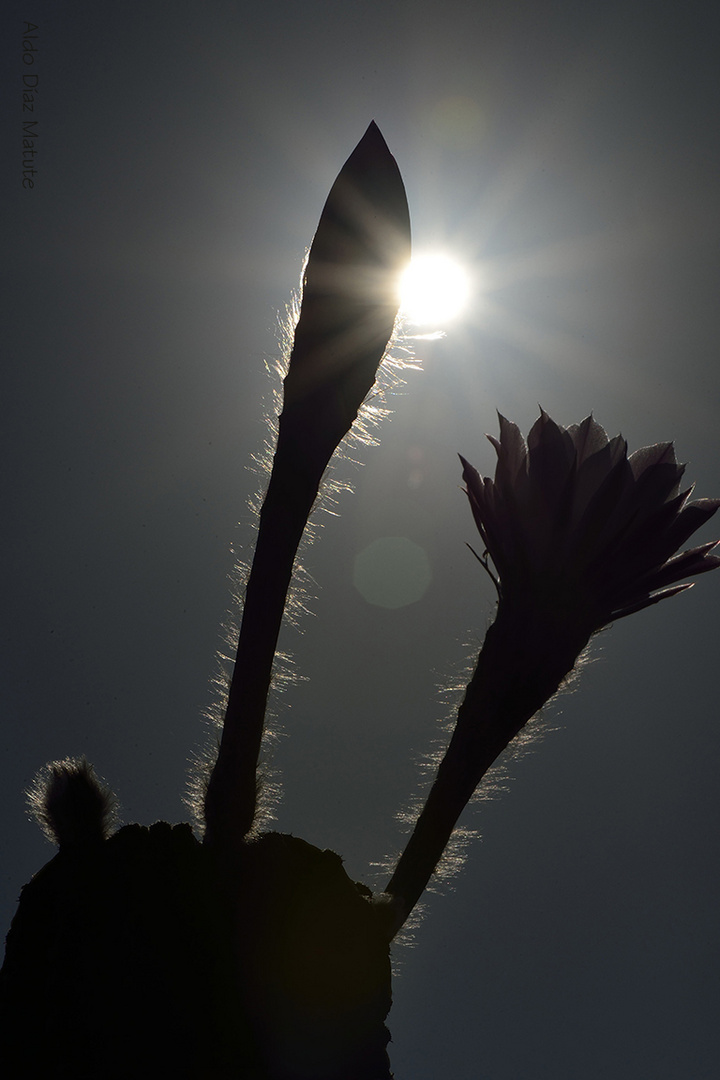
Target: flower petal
{"type": "Point", "coordinates": [512, 452]}
{"type": "Point", "coordinates": [593, 471]}
{"type": "Point", "coordinates": [656, 484]}
{"type": "Point", "coordinates": [474, 490]}
{"type": "Point", "coordinates": [652, 455]}
{"type": "Point", "coordinates": [551, 456]}
{"type": "Point", "coordinates": [605, 518]}
{"type": "Point", "coordinates": [697, 560]}
{"type": "Point", "coordinates": [497, 522]}
{"type": "Point", "coordinates": [690, 519]}
{"type": "Point", "coordinates": [647, 601]}
{"type": "Point", "coordinates": [589, 437]}
{"type": "Point", "coordinates": [648, 541]}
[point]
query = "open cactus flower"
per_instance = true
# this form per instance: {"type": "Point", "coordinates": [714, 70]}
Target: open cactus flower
{"type": "Point", "coordinates": [570, 513]}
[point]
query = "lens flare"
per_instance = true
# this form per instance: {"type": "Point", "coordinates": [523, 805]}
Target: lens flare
{"type": "Point", "coordinates": [392, 572]}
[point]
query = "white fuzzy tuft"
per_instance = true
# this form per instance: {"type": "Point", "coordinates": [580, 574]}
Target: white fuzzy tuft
{"type": "Point", "coordinates": [71, 805]}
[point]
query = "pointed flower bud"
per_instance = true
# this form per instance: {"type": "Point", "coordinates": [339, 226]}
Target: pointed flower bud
{"type": "Point", "coordinates": [350, 300]}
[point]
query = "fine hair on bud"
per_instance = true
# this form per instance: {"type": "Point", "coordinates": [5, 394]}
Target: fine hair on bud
{"type": "Point", "coordinates": [72, 806]}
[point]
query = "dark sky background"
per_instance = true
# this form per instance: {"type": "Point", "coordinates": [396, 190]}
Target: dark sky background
{"type": "Point", "coordinates": [568, 154]}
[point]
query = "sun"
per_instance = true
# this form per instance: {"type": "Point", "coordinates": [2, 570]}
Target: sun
{"type": "Point", "coordinates": [433, 290]}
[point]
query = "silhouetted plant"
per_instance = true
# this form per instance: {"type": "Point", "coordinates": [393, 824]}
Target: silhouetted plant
{"type": "Point", "coordinates": [148, 953]}
{"type": "Point", "coordinates": [143, 952]}
{"type": "Point", "coordinates": [579, 534]}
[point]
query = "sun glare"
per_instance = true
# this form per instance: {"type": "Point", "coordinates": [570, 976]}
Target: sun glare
{"type": "Point", "coordinates": [434, 289]}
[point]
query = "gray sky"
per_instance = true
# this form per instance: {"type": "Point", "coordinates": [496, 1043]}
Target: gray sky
{"type": "Point", "coordinates": [569, 156]}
